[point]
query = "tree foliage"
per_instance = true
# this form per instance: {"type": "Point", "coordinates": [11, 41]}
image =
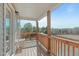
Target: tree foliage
{"type": "Point", "coordinates": [27, 27]}
{"type": "Point", "coordinates": [43, 30]}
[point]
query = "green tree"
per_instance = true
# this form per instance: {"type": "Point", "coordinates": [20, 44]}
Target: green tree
{"type": "Point", "coordinates": [34, 29]}
{"type": "Point", "coordinates": [44, 30]}
{"type": "Point", "coordinates": [27, 27]}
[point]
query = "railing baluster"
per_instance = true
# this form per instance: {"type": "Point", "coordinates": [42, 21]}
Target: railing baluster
{"type": "Point", "coordinates": [61, 48]}
{"type": "Point", "coordinates": [51, 44]}
{"type": "Point", "coordinates": [78, 51]}
{"type": "Point", "coordinates": [64, 49]}
{"type": "Point", "coordinates": [58, 47]}
{"type": "Point", "coordinates": [54, 47]}
{"type": "Point", "coordinates": [73, 50]}
{"type": "Point", "coordinates": [68, 50]}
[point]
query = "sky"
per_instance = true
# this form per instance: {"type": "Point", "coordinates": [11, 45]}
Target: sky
{"type": "Point", "coordinates": [65, 16]}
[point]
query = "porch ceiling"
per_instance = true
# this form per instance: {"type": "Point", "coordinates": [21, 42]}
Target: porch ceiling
{"type": "Point", "coordinates": [34, 11]}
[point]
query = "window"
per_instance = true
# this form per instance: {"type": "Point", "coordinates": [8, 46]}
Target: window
{"type": "Point", "coordinates": [7, 24]}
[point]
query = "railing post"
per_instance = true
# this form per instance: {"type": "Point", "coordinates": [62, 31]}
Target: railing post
{"type": "Point", "coordinates": [49, 30]}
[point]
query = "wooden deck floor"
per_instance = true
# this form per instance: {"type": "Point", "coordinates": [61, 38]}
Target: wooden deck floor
{"type": "Point", "coordinates": [28, 52]}
{"type": "Point", "coordinates": [30, 48]}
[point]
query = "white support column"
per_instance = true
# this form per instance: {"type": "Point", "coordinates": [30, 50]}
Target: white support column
{"type": "Point", "coordinates": [13, 33]}
{"type": "Point", "coordinates": [37, 31]}
{"type": "Point", "coordinates": [49, 29]}
{"type": "Point", "coordinates": [49, 23]}
{"type": "Point", "coordinates": [37, 26]}
{"type": "Point", "coordinates": [18, 23]}
{"type": "Point", "coordinates": [4, 30]}
{"type": "Point", "coordinates": [18, 49]}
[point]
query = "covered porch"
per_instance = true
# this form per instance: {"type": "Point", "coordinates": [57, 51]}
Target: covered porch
{"type": "Point", "coordinates": [35, 12]}
{"type": "Point", "coordinates": [42, 44]}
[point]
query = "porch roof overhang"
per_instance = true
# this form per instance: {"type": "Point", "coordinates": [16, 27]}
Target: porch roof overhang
{"type": "Point", "coordinates": [34, 11]}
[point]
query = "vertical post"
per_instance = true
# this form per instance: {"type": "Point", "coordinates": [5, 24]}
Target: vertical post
{"type": "Point", "coordinates": [19, 26]}
{"type": "Point", "coordinates": [49, 29]}
{"type": "Point", "coordinates": [18, 23]}
{"type": "Point", "coordinates": [37, 26]}
{"type": "Point", "coordinates": [13, 34]}
{"type": "Point", "coordinates": [18, 48]}
{"type": "Point", "coordinates": [37, 31]}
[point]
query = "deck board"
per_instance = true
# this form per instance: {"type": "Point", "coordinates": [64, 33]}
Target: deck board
{"type": "Point", "coordinates": [28, 52]}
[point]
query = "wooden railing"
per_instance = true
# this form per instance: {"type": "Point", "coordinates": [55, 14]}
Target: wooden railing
{"type": "Point", "coordinates": [60, 46]}
{"type": "Point", "coordinates": [43, 40]}
{"type": "Point", "coordinates": [27, 34]}
{"type": "Point", "coordinates": [64, 47]}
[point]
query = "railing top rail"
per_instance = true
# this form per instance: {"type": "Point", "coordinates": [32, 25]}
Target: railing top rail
{"type": "Point", "coordinates": [66, 40]}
